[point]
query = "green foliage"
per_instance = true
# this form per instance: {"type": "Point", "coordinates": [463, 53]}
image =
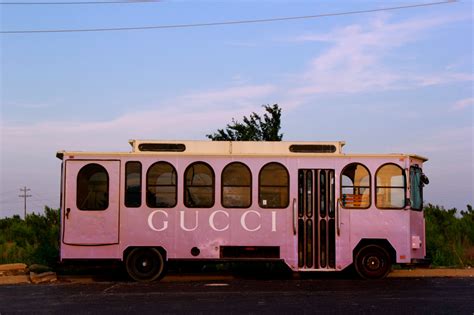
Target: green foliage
{"type": "Point", "coordinates": [254, 128]}
{"type": "Point", "coordinates": [450, 236]}
{"type": "Point", "coordinates": [31, 241]}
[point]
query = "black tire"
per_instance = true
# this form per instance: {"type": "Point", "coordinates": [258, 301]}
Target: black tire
{"type": "Point", "coordinates": [372, 262]}
{"type": "Point", "coordinates": [145, 264]}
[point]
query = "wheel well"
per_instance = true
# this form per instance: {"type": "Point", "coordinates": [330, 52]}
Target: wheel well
{"type": "Point", "coordinates": [380, 242]}
{"type": "Point", "coordinates": [130, 248]}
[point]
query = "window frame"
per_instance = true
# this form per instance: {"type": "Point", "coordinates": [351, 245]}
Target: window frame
{"type": "Point", "coordinates": [186, 186]}
{"type": "Point", "coordinates": [108, 186]}
{"type": "Point", "coordinates": [140, 181]}
{"type": "Point", "coordinates": [404, 187]}
{"type": "Point", "coordinates": [161, 147]}
{"type": "Point", "coordinates": [313, 148]}
{"type": "Point", "coordinates": [341, 186]}
{"type": "Point", "coordinates": [249, 186]}
{"type": "Point", "coordinates": [175, 185]}
{"type": "Point", "coordinates": [260, 186]}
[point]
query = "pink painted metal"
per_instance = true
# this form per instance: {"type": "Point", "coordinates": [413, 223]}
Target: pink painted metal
{"type": "Point", "coordinates": [107, 234]}
{"type": "Point", "coordinates": [91, 227]}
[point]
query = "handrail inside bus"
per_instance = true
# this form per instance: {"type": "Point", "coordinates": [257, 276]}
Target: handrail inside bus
{"type": "Point", "coordinates": [294, 216]}
{"type": "Point", "coordinates": [338, 220]}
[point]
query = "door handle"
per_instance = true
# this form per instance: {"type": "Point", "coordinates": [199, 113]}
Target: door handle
{"type": "Point", "coordinates": [294, 216]}
{"type": "Point", "coordinates": [67, 212]}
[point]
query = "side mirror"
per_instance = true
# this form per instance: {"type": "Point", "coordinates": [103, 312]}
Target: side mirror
{"type": "Point", "coordinates": [424, 179]}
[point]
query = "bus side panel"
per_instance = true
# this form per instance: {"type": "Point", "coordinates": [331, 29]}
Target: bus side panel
{"type": "Point", "coordinates": [391, 225]}
{"type": "Point", "coordinates": [69, 250]}
{"type": "Point", "coordinates": [61, 209]}
{"type": "Point", "coordinates": [417, 235]}
{"type": "Point", "coordinates": [90, 252]}
{"type": "Point", "coordinates": [179, 229]}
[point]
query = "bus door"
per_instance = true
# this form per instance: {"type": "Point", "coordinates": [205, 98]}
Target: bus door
{"type": "Point", "coordinates": [316, 219]}
{"type": "Point", "coordinates": [91, 207]}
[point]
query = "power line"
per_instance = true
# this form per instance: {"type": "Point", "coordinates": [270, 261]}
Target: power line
{"type": "Point", "coordinates": [7, 192]}
{"type": "Point", "coordinates": [228, 22]}
{"type": "Point", "coordinates": [44, 200]}
{"type": "Point", "coordinates": [24, 190]}
{"type": "Point", "coordinates": [79, 2]}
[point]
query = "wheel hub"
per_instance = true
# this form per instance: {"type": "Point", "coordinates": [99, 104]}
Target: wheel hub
{"type": "Point", "coordinates": [373, 263]}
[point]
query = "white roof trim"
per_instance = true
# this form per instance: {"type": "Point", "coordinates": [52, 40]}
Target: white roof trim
{"type": "Point", "coordinates": [237, 147]}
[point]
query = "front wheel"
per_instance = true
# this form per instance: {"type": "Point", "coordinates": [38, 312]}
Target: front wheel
{"type": "Point", "coordinates": [372, 262]}
{"type": "Point", "coordinates": [145, 264]}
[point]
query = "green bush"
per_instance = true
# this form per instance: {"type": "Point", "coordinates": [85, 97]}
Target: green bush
{"type": "Point", "coordinates": [31, 241]}
{"type": "Point", "coordinates": [450, 236]}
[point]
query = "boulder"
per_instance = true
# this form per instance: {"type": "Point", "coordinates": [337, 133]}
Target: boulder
{"type": "Point", "coordinates": [44, 277]}
{"type": "Point", "coordinates": [36, 268]}
{"type": "Point", "coordinates": [14, 279]}
{"type": "Point", "coordinates": [13, 269]}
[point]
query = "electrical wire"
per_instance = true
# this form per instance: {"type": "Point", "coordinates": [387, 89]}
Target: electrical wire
{"type": "Point", "coordinates": [115, 29]}
{"type": "Point", "coordinates": [9, 192]}
{"type": "Point", "coordinates": [79, 2]}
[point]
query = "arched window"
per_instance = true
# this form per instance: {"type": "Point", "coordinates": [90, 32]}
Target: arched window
{"type": "Point", "coordinates": [355, 186]}
{"type": "Point", "coordinates": [273, 186]}
{"type": "Point", "coordinates": [92, 191]}
{"type": "Point", "coordinates": [161, 186]}
{"type": "Point", "coordinates": [199, 186]}
{"type": "Point", "coordinates": [390, 187]}
{"type": "Point", "coordinates": [236, 186]}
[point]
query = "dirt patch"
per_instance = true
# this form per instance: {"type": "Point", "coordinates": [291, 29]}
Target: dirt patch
{"type": "Point", "coordinates": [438, 272]}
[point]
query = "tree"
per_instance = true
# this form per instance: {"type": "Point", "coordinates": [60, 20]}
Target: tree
{"type": "Point", "coordinates": [253, 128]}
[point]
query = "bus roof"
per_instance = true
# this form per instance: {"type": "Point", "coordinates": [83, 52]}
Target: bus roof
{"type": "Point", "coordinates": [237, 148]}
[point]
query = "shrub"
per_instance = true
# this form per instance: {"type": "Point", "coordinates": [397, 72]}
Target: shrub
{"type": "Point", "coordinates": [32, 241]}
{"type": "Point", "coordinates": [450, 236]}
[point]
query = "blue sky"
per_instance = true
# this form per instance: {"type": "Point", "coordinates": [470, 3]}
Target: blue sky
{"type": "Point", "coordinates": [392, 81]}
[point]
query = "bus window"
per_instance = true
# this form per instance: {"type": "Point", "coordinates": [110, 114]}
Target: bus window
{"type": "Point", "coordinates": [133, 184]}
{"type": "Point", "coordinates": [390, 187]}
{"type": "Point", "coordinates": [417, 181]}
{"type": "Point", "coordinates": [199, 186]}
{"type": "Point", "coordinates": [161, 186]}
{"type": "Point", "coordinates": [92, 188]}
{"type": "Point", "coordinates": [273, 186]}
{"type": "Point", "coordinates": [355, 186]}
{"type": "Point", "coordinates": [236, 186]}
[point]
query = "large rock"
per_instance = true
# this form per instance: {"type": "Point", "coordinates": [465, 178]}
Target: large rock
{"type": "Point", "coordinates": [13, 269]}
{"type": "Point", "coordinates": [43, 277]}
{"type": "Point", "coordinates": [36, 268]}
{"type": "Point", "coordinates": [14, 279]}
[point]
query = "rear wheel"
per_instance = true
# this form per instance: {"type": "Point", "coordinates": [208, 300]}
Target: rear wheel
{"type": "Point", "coordinates": [145, 264]}
{"type": "Point", "coordinates": [372, 262]}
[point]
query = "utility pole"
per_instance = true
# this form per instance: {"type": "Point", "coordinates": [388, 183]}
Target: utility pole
{"type": "Point", "coordinates": [24, 190]}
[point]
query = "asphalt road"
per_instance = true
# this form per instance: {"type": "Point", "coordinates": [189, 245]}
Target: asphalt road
{"type": "Point", "coordinates": [290, 296]}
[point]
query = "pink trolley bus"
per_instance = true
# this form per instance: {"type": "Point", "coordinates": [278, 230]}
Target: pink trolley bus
{"type": "Point", "coordinates": [306, 204]}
